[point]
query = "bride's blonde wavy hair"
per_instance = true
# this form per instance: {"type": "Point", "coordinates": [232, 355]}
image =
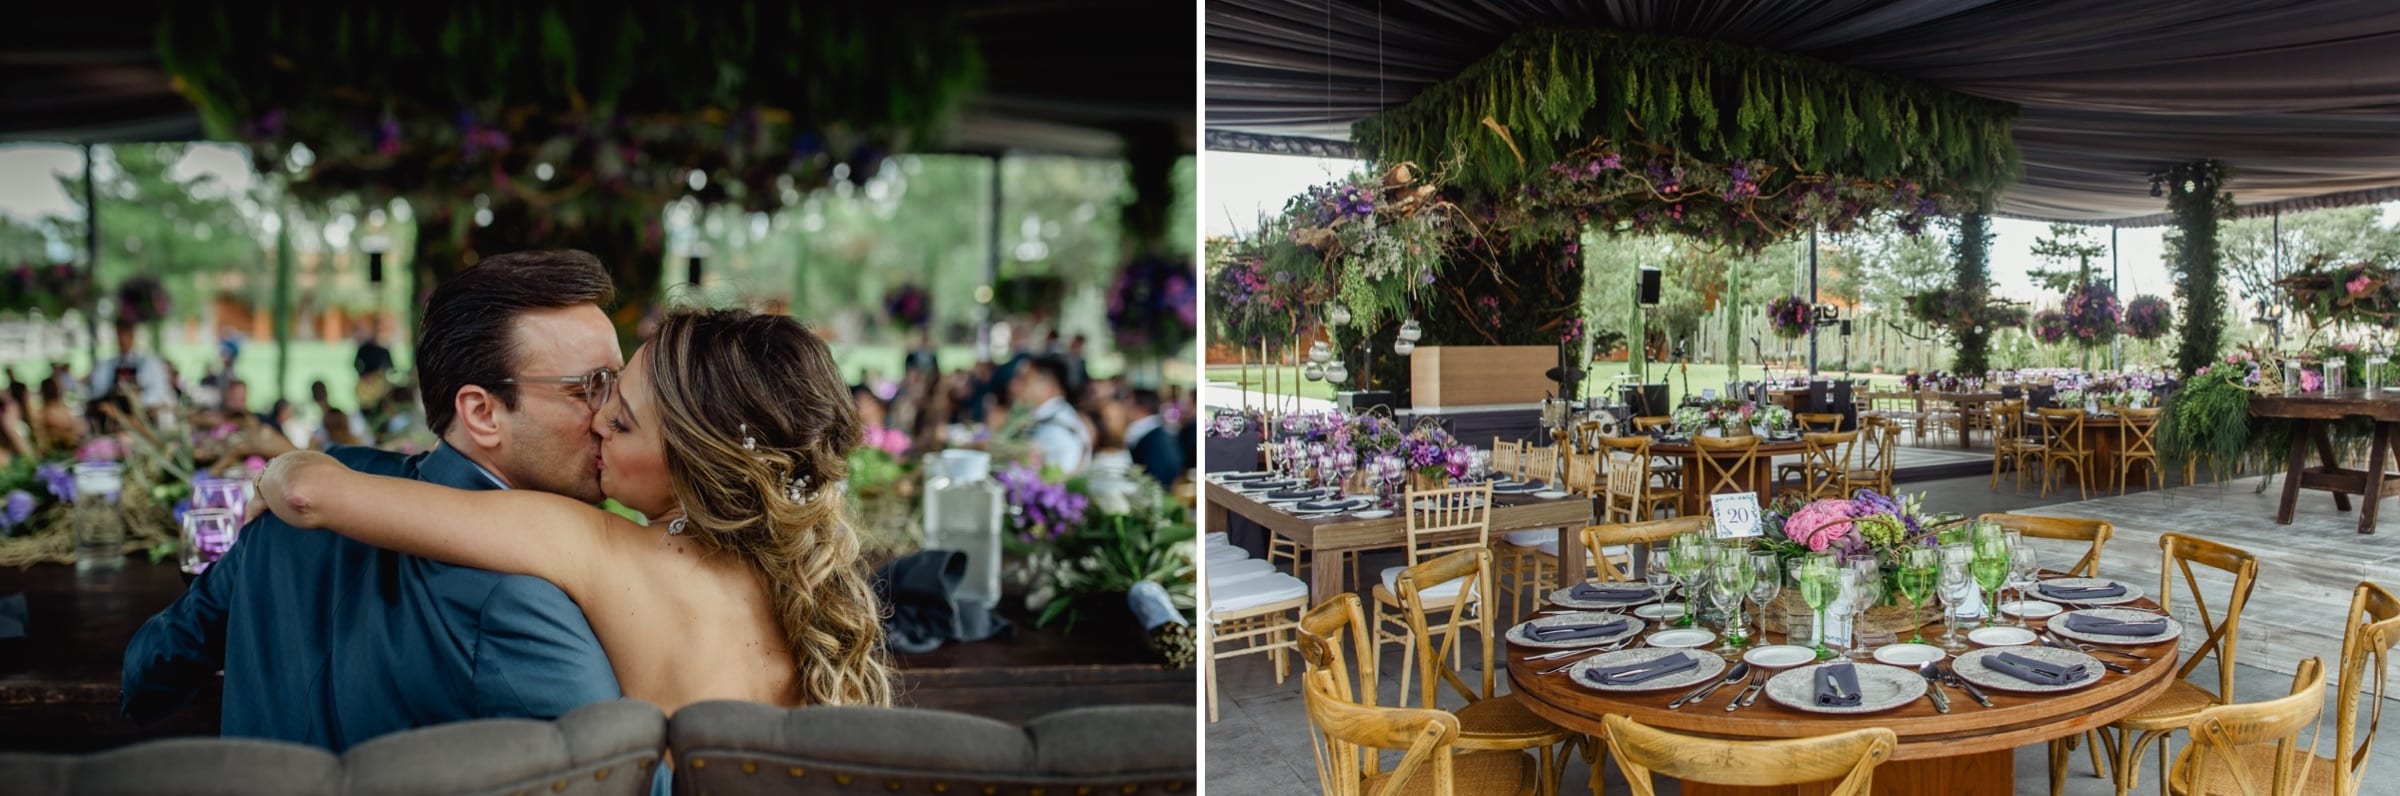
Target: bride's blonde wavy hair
{"type": "Point", "coordinates": [723, 376]}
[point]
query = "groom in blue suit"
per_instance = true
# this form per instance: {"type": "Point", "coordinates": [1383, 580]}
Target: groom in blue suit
{"type": "Point", "coordinates": [330, 642]}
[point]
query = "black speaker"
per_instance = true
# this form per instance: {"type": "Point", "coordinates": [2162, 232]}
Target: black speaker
{"type": "Point", "coordinates": [375, 267]}
{"type": "Point", "coordinates": [1650, 285]}
{"type": "Point", "coordinates": [693, 276]}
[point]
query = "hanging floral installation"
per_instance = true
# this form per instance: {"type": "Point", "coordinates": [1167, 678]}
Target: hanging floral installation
{"type": "Point", "coordinates": [1790, 317]}
{"type": "Point", "coordinates": [51, 289]}
{"type": "Point", "coordinates": [2148, 317]}
{"type": "Point", "coordinates": [2050, 327]}
{"type": "Point", "coordinates": [2090, 315]}
{"type": "Point", "coordinates": [1153, 308]}
{"type": "Point", "coordinates": [2362, 293]}
{"type": "Point", "coordinates": [1377, 238]}
{"type": "Point", "coordinates": [1959, 311]}
{"type": "Point", "coordinates": [1637, 133]}
{"type": "Point", "coordinates": [1247, 304]}
{"type": "Point", "coordinates": [142, 300]}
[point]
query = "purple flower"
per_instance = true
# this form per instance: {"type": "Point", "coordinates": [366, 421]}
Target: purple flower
{"type": "Point", "coordinates": [17, 507]}
{"type": "Point", "coordinates": [57, 481]}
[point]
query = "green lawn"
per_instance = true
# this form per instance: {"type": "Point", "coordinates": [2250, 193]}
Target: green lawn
{"type": "Point", "coordinates": [1699, 377]}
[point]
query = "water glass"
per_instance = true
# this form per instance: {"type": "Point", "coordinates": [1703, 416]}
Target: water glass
{"type": "Point", "coordinates": [1957, 590]}
{"type": "Point", "coordinates": [2023, 571]}
{"type": "Point", "coordinates": [99, 524]}
{"type": "Point", "coordinates": [207, 534]}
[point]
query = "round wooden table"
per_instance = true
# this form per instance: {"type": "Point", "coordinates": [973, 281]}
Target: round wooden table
{"type": "Point", "coordinates": [1758, 476]}
{"type": "Point", "coordinates": [1966, 752]}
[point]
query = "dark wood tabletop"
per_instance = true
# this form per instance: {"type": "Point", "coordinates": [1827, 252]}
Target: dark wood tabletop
{"type": "Point", "coordinates": [60, 684]}
{"type": "Point", "coordinates": [1348, 532]}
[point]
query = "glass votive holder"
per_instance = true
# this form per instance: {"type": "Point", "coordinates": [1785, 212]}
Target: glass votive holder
{"type": "Point", "coordinates": [207, 534]}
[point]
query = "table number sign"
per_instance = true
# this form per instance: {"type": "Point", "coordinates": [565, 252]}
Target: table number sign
{"type": "Point", "coordinates": [1736, 514]}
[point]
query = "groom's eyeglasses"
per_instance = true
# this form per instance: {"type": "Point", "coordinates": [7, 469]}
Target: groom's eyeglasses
{"type": "Point", "coordinates": [595, 387]}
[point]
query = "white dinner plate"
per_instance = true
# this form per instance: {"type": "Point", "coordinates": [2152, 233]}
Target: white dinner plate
{"type": "Point", "coordinates": [1779, 656]}
{"type": "Point", "coordinates": [1909, 655]}
{"type": "Point", "coordinates": [2000, 636]}
{"type": "Point", "coordinates": [2131, 594]}
{"type": "Point", "coordinates": [1550, 494]}
{"type": "Point", "coordinates": [1660, 611]}
{"type": "Point", "coordinates": [1681, 638]}
{"type": "Point", "coordinates": [1521, 635]}
{"type": "Point", "coordinates": [1970, 668]}
{"type": "Point", "coordinates": [1708, 668]}
{"type": "Point", "coordinates": [1880, 688]}
{"type": "Point", "coordinates": [2030, 609]}
{"type": "Point", "coordinates": [2058, 625]}
{"type": "Point", "coordinates": [1372, 514]}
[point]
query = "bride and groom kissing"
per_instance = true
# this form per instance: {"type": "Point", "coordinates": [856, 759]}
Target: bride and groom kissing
{"type": "Point", "coordinates": [478, 580]}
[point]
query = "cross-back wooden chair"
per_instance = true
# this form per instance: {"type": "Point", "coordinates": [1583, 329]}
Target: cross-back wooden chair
{"type": "Point", "coordinates": [2072, 529]}
{"type": "Point", "coordinates": [2141, 445]}
{"type": "Point", "coordinates": [2366, 658]}
{"type": "Point", "coordinates": [2012, 445]}
{"type": "Point", "coordinates": [1880, 460]}
{"type": "Point", "coordinates": [2062, 434]}
{"type": "Point", "coordinates": [1440, 521]}
{"type": "Point", "coordinates": [1825, 459]}
{"type": "Point", "coordinates": [1609, 543]}
{"type": "Point", "coordinates": [1848, 756]}
{"type": "Point", "coordinates": [1587, 436]}
{"type": "Point", "coordinates": [1819, 421]}
{"type": "Point", "coordinates": [1627, 494]}
{"type": "Point", "coordinates": [1724, 463]}
{"type": "Point", "coordinates": [1489, 720]}
{"type": "Point", "coordinates": [1349, 736]}
{"type": "Point", "coordinates": [1652, 422]}
{"type": "Point", "coordinates": [2183, 701]}
{"type": "Point", "coordinates": [2228, 741]}
{"type": "Point", "coordinates": [1324, 649]}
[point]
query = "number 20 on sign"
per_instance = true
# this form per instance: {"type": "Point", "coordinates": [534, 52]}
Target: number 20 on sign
{"type": "Point", "coordinates": [1736, 514]}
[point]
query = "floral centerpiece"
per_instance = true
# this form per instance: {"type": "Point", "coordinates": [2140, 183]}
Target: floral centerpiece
{"type": "Point", "coordinates": [1790, 317]}
{"type": "Point", "coordinates": [1082, 551]}
{"type": "Point", "coordinates": [1153, 306]}
{"type": "Point", "coordinates": [2068, 398]}
{"type": "Point", "coordinates": [1869, 523]}
{"type": "Point", "coordinates": [1434, 455]}
{"type": "Point", "coordinates": [1732, 417]}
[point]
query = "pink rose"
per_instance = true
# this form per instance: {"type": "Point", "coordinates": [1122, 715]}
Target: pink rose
{"type": "Point", "coordinates": [2310, 381]}
{"type": "Point", "coordinates": [2358, 285]}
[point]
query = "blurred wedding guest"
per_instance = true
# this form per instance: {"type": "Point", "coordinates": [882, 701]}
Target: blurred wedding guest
{"type": "Point", "coordinates": [1058, 432]}
{"type": "Point", "coordinates": [121, 400]}
{"type": "Point", "coordinates": [869, 406]}
{"type": "Point", "coordinates": [921, 356]}
{"type": "Point", "coordinates": [150, 376]}
{"type": "Point", "coordinates": [1153, 445]}
{"type": "Point", "coordinates": [372, 357]}
{"type": "Point", "coordinates": [1077, 368]}
{"type": "Point", "coordinates": [58, 427]}
{"type": "Point", "coordinates": [338, 427]}
{"type": "Point", "coordinates": [285, 419]}
{"type": "Point", "coordinates": [16, 433]}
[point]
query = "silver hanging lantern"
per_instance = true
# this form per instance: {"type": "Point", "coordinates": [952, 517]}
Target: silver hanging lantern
{"type": "Point", "coordinates": [1410, 331]}
{"type": "Point", "coordinates": [1337, 372]}
{"type": "Point", "coordinates": [1320, 353]}
{"type": "Point", "coordinates": [1313, 372]}
{"type": "Point", "coordinates": [1404, 347]}
{"type": "Point", "coordinates": [1337, 315]}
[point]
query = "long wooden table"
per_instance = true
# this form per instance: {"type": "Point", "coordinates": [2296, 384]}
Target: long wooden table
{"type": "Point", "coordinates": [2314, 411]}
{"type": "Point", "coordinates": [1966, 752]}
{"type": "Point", "coordinates": [59, 686]}
{"type": "Point", "coordinates": [1347, 533]}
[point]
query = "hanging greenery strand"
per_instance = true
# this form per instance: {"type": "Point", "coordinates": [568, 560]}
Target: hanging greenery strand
{"type": "Point", "coordinates": [2196, 199]}
{"type": "Point", "coordinates": [1552, 90]}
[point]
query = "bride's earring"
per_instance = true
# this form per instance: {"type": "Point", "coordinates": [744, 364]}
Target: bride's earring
{"type": "Point", "coordinates": [676, 526]}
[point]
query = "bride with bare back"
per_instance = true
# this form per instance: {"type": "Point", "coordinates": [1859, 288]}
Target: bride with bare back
{"type": "Point", "coordinates": [730, 429]}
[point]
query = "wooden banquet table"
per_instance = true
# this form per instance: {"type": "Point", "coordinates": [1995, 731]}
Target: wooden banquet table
{"type": "Point", "coordinates": [60, 685]}
{"type": "Point", "coordinates": [1966, 752]}
{"type": "Point", "coordinates": [1962, 400]}
{"type": "Point", "coordinates": [1758, 476]}
{"type": "Point", "coordinates": [2315, 412]}
{"type": "Point", "coordinates": [1347, 533]}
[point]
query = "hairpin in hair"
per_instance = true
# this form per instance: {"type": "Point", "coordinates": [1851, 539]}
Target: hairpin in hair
{"type": "Point", "coordinates": [749, 443]}
{"type": "Point", "coordinates": [796, 488]}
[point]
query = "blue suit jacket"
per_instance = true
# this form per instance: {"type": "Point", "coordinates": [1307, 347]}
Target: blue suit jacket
{"type": "Point", "coordinates": [331, 642]}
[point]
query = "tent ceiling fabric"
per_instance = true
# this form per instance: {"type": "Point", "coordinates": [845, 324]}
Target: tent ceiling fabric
{"type": "Point", "coordinates": [1061, 76]}
{"type": "Point", "coordinates": [2300, 97]}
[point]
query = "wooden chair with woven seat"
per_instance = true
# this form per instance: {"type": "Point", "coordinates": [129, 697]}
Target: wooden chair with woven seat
{"type": "Point", "coordinates": [2141, 445]}
{"type": "Point", "coordinates": [2183, 702]}
{"type": "Point", "coordinates": [1489, 720]}
{"type": "Point", "coordinates": [1440, 521]}
{"type": "Point", "coordinates": [1539, 464]}
{"type": "Point", "coordinates": [1879, 464]}
{"type": "Point", "coordinates": [1850, 757]}
{"type": "Point", "coordinates": [1324, 650]}
{"type": "Point", "coordinates": [1668, 473]}
{"type": "Point", "coordinates": [1626, 492]}
{"type": "Point", "coordinates": [1807, 421]}
{"type": "Point", "coordinates": [2253, 748]}
{"type": "Point", "coordinates": [1724, 462]}
{"type": "Point", "coordinates": [2062, 435]}
{"type": "Point", "coordinates": [1607, 544]}
{"type": "Point", "coordinates": [1825, 458]}
{"type": "Point", "coordinates": [2366, 657]}
{"type": "Point", "coordinates": [1428, 763]}
{"type": "Point", "coordinates": [2012, 444]}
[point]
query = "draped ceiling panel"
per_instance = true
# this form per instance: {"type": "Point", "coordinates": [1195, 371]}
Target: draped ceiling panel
{"type": "Point", "coordinates": [2300, 98]}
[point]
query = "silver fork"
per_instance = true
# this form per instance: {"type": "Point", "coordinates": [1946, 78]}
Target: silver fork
{"type": "Point", "coordinates": [2091, 648]}
{"type": "Point", "coordinates": [1571, 664]}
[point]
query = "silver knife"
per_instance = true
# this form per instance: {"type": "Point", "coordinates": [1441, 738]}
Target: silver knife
{"type": "Point", "coordinates": [1933, 688]}
{"type": "Point", "coordinates": [1747, 696]}
{"type": "Point", "coordinates": [2058, 643]}
{"type": "Point", "coordinates": [1952, 676]}
{"type": "Point", "coordinates": [1740, 670]}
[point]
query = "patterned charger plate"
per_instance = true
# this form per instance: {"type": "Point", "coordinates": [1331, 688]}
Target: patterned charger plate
{"type": "Point", "coordinates": [1522, 636]}
{"type": "Point", "coordinates": [1880, 688]}
{"type": "Point", "coordinates": [1970, 668]}
{"type": "Point", "coordinates": [2058, 624]}
{"type": "Point", "coordinates": [2131, 594]}
{"type": "Point", "coordinates": [1709, 668]}
{"type": "Point", "coordinates": [1562, 597]}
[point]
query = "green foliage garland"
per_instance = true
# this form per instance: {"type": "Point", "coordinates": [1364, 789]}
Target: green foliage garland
{"type": "Point", "coordinates": [1974, 245]}
{"type": "Point", "coordinates": [1548, 91]}
{"type": "Point", "coordinates": [2196, 199]}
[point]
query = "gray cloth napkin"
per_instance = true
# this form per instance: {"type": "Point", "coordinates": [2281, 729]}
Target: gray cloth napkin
{"type": "Point", "coordinates": [921, 592]}
{"type": "Point", "coordinates": [1846, 675]}
{"type": "Point", "coordinates": [1637, 673]}
{"type": "Point", "coordinates": [2083, 592]}
{"type": "Point", "coordinates": [2034, 671]}
{"type": "Point", "coordinates": [1570, 632]}
{"type": "Point", "coordinates": [1590, 591]}
{"type": "Point", "coordinates": [1294, 494]}
{"type": "Point", "coordinates": [2082, 623]}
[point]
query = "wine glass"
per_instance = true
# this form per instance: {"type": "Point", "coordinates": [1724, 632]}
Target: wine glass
{"type": "Point", "coordinates": [1766, 581]}
{"type": "Point", "coordinates": [1818, 588]}
{"type": "Point", "coordinates": [1992, 569]}
{"type": "Point", "coordinates": [1870, 591]}
{"type": "Point", "coordinates": [1957, 591]}
{"type": "Point", "coordinates": [1686, 559]}
{"type": "Point", "coordinates": [1729, 580]}
{"type": "Point", "coordinates": [1661, 577]}
{"type": "Point", "coordinates": [1918, 568]}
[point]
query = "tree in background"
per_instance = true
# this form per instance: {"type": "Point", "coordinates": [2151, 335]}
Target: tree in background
{"type": "Point", "coordinates": [184, 230]}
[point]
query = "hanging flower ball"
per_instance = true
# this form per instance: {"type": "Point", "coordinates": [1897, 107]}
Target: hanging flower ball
{"type": "Point", "coordinates": [2148, 317]}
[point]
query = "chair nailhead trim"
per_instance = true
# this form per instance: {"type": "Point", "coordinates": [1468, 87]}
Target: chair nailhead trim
{"type": "Point", "coordinates": [893, 786]}
{"type": "Point", "coordinates": [842, 778]}
{"type": "Point", "coordinates": [796, 771]}
{"type": "Point", "coordinates": [558, 787]}
{"type": "Point", "coordinates": [941, 787]}
{"type": "Point", "coordinates": [749, 766]}
{"type": "Point", "coordinates": [697, 762]}
{"type": "Point", "coordinates": [600, 774]}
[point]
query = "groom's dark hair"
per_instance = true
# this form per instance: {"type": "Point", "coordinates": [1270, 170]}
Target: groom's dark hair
{"type": "Point", "coordinates": [469, 332]}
